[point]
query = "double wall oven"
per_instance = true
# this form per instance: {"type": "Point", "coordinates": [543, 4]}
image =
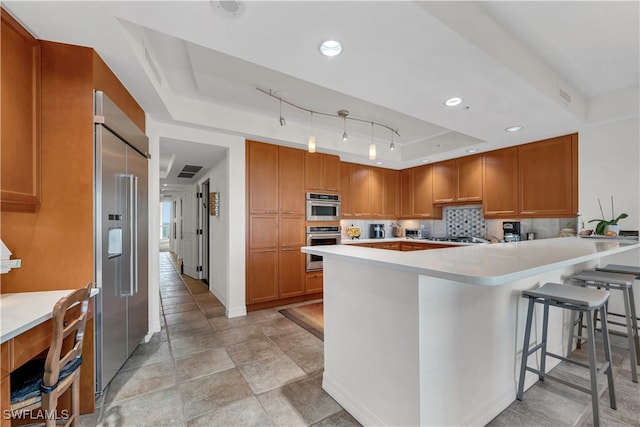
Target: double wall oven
{"type": "Point", "coordinates": [318, 235]}
{"type": "Point", "coordinates": [324, 209]}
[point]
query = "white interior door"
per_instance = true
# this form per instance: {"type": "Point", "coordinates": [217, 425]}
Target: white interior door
{"type": "Point", "coordinates": [190, 242]}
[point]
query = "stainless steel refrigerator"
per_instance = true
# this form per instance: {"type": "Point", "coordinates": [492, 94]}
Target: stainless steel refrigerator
{"type": "Point", "coordinates": [121, 246]}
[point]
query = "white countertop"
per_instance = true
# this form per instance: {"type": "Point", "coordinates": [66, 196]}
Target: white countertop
{"type": "Point", "coordinates": [483, 264]}
{"type": "Point", "coordinates": [22, 311]}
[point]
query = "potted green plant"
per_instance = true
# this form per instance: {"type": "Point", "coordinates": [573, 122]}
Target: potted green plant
{"type": "Point", "coordinates": [603, 225]}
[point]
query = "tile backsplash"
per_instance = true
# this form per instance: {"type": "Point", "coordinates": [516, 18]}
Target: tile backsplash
{"type": "Point", "coordinates": [469, 221]}
{"type": "Point", "coordinates": [465, 221]}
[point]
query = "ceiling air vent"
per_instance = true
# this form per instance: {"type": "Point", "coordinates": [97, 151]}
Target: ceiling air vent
{"type": "Point", "coordinates": [564, 95]}
{"type": "Point", "coordinates": [189, 171]}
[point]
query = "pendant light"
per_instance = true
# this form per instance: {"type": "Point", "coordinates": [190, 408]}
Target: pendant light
{"type": "Point", "coordinates": [344, 114]}
{"type": "Point", "coordinates": [372, 146]}
{"type": "Point", "coordinates": [392, 146]}
{"type": "Point", "coordinates": [282, 120]}
{"type": "Point", "coordinates": [311, 143]}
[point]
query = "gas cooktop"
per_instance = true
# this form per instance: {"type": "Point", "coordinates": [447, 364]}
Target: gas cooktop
{"type": "Point", "coordinates": [458, 239]}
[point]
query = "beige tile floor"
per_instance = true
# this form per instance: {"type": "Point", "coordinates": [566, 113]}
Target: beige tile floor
{"type": "Point", "coordinates": [203, 369]}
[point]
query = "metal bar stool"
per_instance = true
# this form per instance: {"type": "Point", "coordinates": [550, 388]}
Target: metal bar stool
{"type": "Point", "coordinates": [577, 299]}
{"type": "Point", "coordinates": [634, 270]}
{"type": "Point", "coordinates": [620, 282]}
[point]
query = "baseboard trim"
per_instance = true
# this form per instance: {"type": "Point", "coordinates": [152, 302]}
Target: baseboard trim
{"type": "Point", "coordinates": [350, 404]}
{"type": "Point", "coordinates": [236, 311]}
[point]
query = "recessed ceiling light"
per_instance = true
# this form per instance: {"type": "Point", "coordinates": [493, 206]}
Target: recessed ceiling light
{"type": "Point", "coordinates": [452, 102]}
{"type": "Point", "coordinates": [330, 48]}
{"type": "Point", "coordinates": [378, 163]}
{"type": "Point", "coordinates": [229, 8]}
{"type": "Point", "coordinates": [471, 150]}
{"type": "Point", "coordinates": [425, 161]}
{"type": "Point", "coordinates": [513, 128]}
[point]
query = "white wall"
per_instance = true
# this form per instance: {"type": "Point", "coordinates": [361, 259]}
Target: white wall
{"type": "Point", "coordinates": [227, 177]}
{"type": "Point", "coordinates": [609, 165]}
{"type": "Point", "coordinates": [219, 236]}
{"type": "Point", "coordinates": [154, 231]}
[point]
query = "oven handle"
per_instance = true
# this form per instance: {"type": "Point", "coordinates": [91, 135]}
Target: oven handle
{"type": "Point", "coordinates": [310, 237]}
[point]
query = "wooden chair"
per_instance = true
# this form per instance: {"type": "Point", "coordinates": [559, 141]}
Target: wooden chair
{"type": "Point", "coordinates": [39, 383]}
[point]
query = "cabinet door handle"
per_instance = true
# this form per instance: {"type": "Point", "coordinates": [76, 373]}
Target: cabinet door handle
{"type": "Point", "coordinates": [528, 212]}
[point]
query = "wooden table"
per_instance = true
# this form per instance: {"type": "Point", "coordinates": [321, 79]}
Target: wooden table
{"type": "Point", "coordinates": [25, 328]}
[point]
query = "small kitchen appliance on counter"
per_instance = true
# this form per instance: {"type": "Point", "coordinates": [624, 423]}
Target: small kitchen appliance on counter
{"type": "Point", "coordinates": [411, 233]}
{"type": "Point", "coordinates": [354, 232]}
{"type": "Point", "coordinates": [511, 231]}
{"type": "Point", "coordinates": [423, 233]}
{"type": "Point", "coordinates": [376, 231]}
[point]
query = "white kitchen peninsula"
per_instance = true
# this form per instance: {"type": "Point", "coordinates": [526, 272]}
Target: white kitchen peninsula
{"type": "Point", "coordinates": [434, 337]}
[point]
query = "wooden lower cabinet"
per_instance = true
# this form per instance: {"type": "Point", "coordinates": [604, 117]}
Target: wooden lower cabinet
{"type": "Point", "coordinates": [402, 246]}
{"type": "Point", "coordinates": [5, 381]}
{"type": "Point", "coordinates": [408, 246]}
{"type": "Point", "coordinates": [275, 264]}
{"type": "Point", "coordinates": [262, 276]}
{"type": "Point", "coordinates": [291, 281]}
{"type": "Point", "coordinates": [313, 282]}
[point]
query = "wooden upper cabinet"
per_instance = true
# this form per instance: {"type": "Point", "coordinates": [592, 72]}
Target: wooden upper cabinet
{"type": "Point", "coordinates": [314, 171]}
{"type": "Point", "coordinates": [416, 193]}
{"type": "Point", "coordinates": [406, 193]}
{"type": "Point", "coordinates": [331, 173]}
{"type": "Point", "coordinates": [322, 172]}
{"type": "Point", "coordinates": [360, 190]}
{"type": "Point", "coordinates": [500, 193]}
{"type": "Point", "coordinates": [469, 179]}
{"type": "Point", "coordinates": [376, 189]}
{"type": "Point", "coordinates": [445, 176]}
{"type": "Point", "coordinates": [262, 166]}
{"type": "Point", "coordinates": [458, 180]}
{"type": "Point", "coordinates": [391, 194]}
{"type": "Point", "coordinates": [291, 176]}
{"type": "Point", "coordinates": [20, 118]}
{"type": "Point", "coordinates": [345, 190]}
{"type": "Point", "coordinates": [548, 178]}
{"type": "Point", "coordinates": [423, 193]}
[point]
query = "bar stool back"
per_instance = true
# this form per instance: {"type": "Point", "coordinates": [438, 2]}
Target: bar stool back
{"type": "Point", "coordinates": [576, 299]}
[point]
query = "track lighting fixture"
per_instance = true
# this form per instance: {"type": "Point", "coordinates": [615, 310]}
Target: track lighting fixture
{"type": "Point", "coordinates": [282, 120]}
{"type": "Point", "coordinates": [343, 114]}
{"type": "Point", "coordinates": [392, 146]}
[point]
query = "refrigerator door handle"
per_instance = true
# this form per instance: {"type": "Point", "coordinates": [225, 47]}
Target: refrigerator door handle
{"type": "Point", "coordinates": [135, 235]}
{"type": "Point", "coordinates": [132, 231]}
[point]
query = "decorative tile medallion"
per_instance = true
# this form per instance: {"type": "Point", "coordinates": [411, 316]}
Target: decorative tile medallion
{"type": "Point", "coordinates": [465, 221]}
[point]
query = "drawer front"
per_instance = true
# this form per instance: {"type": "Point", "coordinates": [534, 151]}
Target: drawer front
{"type": "Point", "coordinates": [29, 344]}
{"type": "Point", "coordinates": [5, 359]}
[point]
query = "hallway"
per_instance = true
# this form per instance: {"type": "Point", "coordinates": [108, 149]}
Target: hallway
{"type": "Point", "coordinates": [203, 369]}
